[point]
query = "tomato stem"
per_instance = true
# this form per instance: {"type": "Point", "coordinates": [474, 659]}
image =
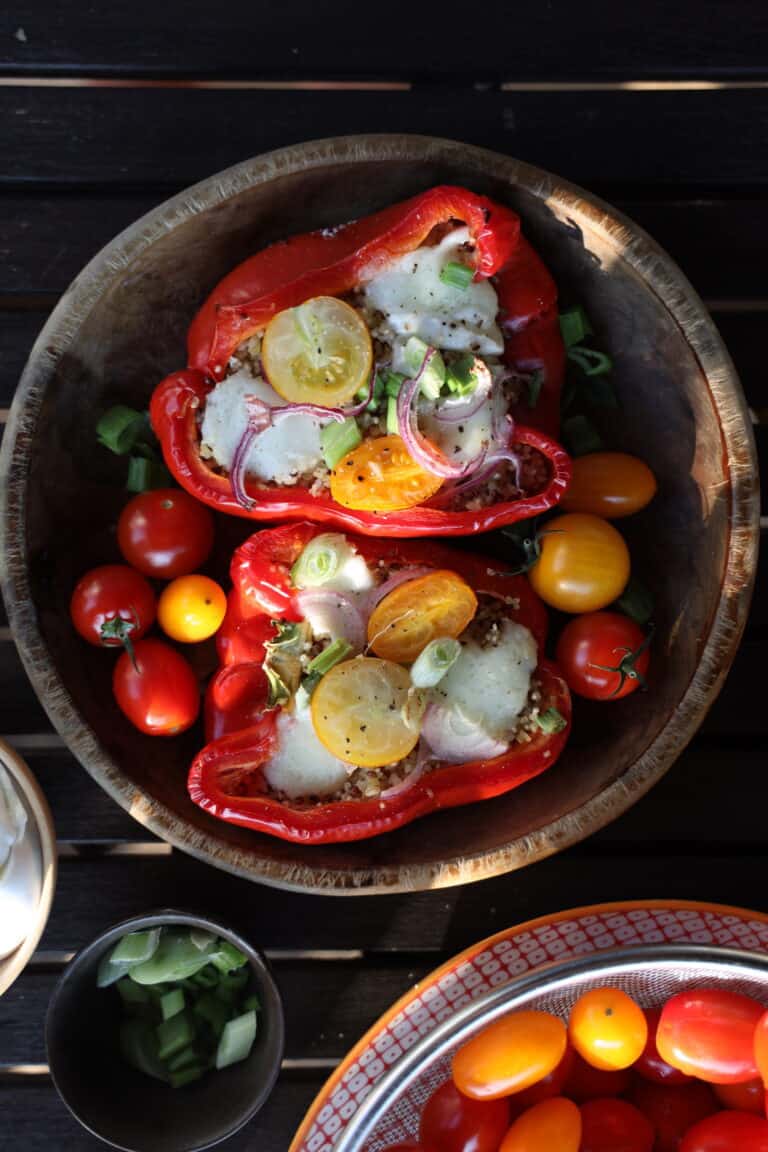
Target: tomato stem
{"type": "Point", "coordinates": [626, 669]}
{"type": "Point", "coordinates": [118, 630]}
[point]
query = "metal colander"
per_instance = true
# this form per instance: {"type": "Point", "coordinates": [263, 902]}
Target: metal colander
{"type": "Point", "coordinates": [649, 974]}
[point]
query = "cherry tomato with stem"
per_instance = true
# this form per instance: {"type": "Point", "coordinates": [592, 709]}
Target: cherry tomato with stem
{"type": "Point", "coordinates": [709, 1033]}
{"type": "Point", "coordinates": [157, 690]}
{"type": "Point", "coordinates": [607, 1028]}
{"type": "Point", "coordinates": [550, 1124]}
{"type": "Point", "coordinates": [451, 1122]}
{"type": "Point", "coordinates": [610, 1125]}
{"type": "Point", "coordinates": [649, 1064]}
{"type": "Point", "coordinates": [747, 1097]}
{"type": "Point", "coordinates": [603, 655]}
{"type": "Point", "coordinates": [165, 533]}
{"type": "Point", "coordinates": [509, 1055]}
{"type": "Point", "coordinates": [587, 1083]}
{"type": "Point", "coordinates": [727, 1132]}
{"type": "Point", "coordinates": [673, 1108]}
{"type": "Point", "coordinates": [112, 606]}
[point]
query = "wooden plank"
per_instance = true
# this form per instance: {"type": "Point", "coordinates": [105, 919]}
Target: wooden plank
{"type": "Point", "coordinates": [150, 138]}
{"type": "Point", "coordinates": [94, 893]}
{"type": "Point", "coordinates": [34, 1118]}
{"type": "Point", "coordinates": [82, 811]}
{"type": "Point", "coordinates": [536, 42]}
{"type": "Point", "coordinates": [18, 332]}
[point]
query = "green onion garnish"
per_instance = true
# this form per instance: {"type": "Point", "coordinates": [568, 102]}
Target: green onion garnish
{"type": "Point", "coordinates": [236, 1040]}
{"type": "Point", "coordinates": [393, 382]}
{"type": "Point", "coordinates": [457, 275]}
{"type": "Point", "coordinates": [535, 382]}
{"type": "Point", "coordinates": [171, 1003]}
{"type": "Point", "coordinates": [336, 651]}
{"type": "Point", "coordinates": [393, 425]}
{"type": "Point", "coordinates": [574, 326]}
{"type": "Point", "coordinates": [320, 560]}
{"type": "Point", "coordinates": [636, 602]}
{"type": "Point", "coordinates": [434, 661]}
{"type": "Point", "coordinates": [460, 377]}
{"type": "Point", "coordinates": [433, 377]}
{"type": "Point", "coordinates": [591, 362]}
{"type": "Point", "coordinates": [120, 428]}
{"type": "Point", "coordinates": [338, 440]}
{"type": "Point", "coordinates": [551, 721]}
{"type": "Point", "coordinates": [580, 436]}
{"type": "Point", "coordinates": [139, 474]}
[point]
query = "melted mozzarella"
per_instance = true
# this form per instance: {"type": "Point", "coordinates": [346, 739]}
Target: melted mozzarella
{"type": "Point", "coordinates": [462, 441]}
{"type": "Point", "coordinates": [490, 685]}
{"type": "Point", "coordinates": [280, 454]}
{"type": "Point", "coordinates": [415, 302]}
{"type": "Point", "coordinates": [302, 766]}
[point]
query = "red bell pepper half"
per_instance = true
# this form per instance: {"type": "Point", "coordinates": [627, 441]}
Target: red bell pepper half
{"type": "Point", "coordinates": [225, 778]}
{"type": "Point", "coordinates": [334, 261]}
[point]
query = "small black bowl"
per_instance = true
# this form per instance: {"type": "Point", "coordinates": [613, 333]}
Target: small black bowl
{"type": "Point", "coordinates": [122, 1106]}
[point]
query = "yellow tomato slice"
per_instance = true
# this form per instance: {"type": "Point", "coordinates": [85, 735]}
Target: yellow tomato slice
{"type": "Point", "coordinates": [318, 353]}
{"type": "Point", "coordinates": [415, 613]}
{"type": "Point", "coordinates": [363, 713]}
{"type": "Point", "coordinates": [380, 476]}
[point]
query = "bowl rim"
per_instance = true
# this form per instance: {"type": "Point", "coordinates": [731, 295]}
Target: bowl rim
{"type": "Point", "coordinates": [662, 277]}
{"type": "Point", "coordinates": [515, 994]}
{"type": "Point", "coordinates": [12, 966]}
{"type": "Point", "coordinates": [156, 919]}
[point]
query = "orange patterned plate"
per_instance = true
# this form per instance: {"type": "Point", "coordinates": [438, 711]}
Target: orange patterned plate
{"type": "Point", "coordinates": [501, 959]}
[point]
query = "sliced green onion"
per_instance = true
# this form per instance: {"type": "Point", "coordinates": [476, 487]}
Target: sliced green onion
{"type": "Point", "coordinates": [184, 1059]}
{"type": "Point", "coordinates": [591, 362]}
{"type": "Point", "coordinates": [120, 428]}
{"type": "Point", "coordinates": [535, 382]}
{"type": "Point", "coordinates": [227, 958]}
{"type": "Point", "coordinates": [187, 1076]}
{"type": "Point", "coordinates": [139, 474]}
{"type": "Point", "coordinates": [174, 1034]}
{"type": "Point", "coordinates": [574, 326]}
{"type": "Point", "coordinates": [236, 1040]}
{"type": "Point", "coordinates": [551, 721]}
{"type": "Point", "coordinates": [433, 377]}
{"type": "Point", "coordinates": [580, 436]}
{"type": "Point", "coordinates": [211, 1007]}
{"type": "Point", "coordinates": [131, 992]}
{"type": "Point", "coordinates": [306, 688]}
{"type": "Point", "coordinates": [338, 440]}
{"type": "Point", "coordinates": [199, 937]}
{"type": "Point", "coordinates": [434, 661]}
{"type": "Point", "coordinates": [378, 391]}
{"type": "Point", "coordinates": [393, 382]}
{"type": "Point", "coordinates": [460, 376]}
{"type": "Point", "coordinates": [336, 651]}
{"type": "Point", "coordinates": [320, 560]}
{"type": "Point", "coordinates": [636, 602]}
{"type": "Point", "coordinates": [457, 275]}
{"type": "Point", "coordinates": [176, 958]}
{"type": "Point", "coordinates": [252, 1004]}
{"type": "Point", "coordinates": [136, 947]}
{"type": "Point", "coordinates": [393, 425]}
{"type": "Point", "coordinates": [172, 1003]}
{"type": "Point", "coordinates": [139, 1046]}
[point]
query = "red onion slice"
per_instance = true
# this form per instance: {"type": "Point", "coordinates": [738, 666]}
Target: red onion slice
{"type": "Point", "coordinates": [455, 737]}
{"type": "Point", "coordinates": [423, 756]}
{"type": "Point", "coordinates": [394, 581]}
{"type": "Point", "coordinates": [259, 419]}
{"type": "Point", "coordinates": [419, 448]}
{"type": "Point", "coordinates": [334, 614]}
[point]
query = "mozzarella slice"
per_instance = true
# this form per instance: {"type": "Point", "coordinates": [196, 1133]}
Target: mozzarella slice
{"type": "Point", "coordinates": [490, 685]}
{"type": "Point", "coordinates": [302, 766]}
{"type": "Point", "coordinates": [282, 453]}
{"type": "Point", "coordinates": [416, 302]}
{"type": "Point", "coordinates": [462, 441]}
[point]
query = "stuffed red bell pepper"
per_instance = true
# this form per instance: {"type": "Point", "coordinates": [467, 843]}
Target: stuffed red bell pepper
{"type": "Point", "coordinates": [364, 683]}
{"type": "Point", "coordinates": [371, 376]}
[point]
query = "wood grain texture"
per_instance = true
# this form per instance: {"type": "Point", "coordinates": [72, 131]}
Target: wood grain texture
{"type": "Point", "coordinates": [536, 42]}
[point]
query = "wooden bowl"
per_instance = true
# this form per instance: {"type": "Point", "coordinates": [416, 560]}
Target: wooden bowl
{"type": "Point", "coordinates": [39, 814]}
{"type": "Point", "coordinates": [121, 327]}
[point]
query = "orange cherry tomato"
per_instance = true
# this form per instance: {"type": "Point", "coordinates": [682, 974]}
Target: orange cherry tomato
{"type": "Point", "coordinates": [609, 484]}
{"type": "Point", "coordinates": [381, 476]}
{"type": "Point", "coordinates": [544, 1089]}
{"type": "Point", "coordinates": [710, 1033]}
{"type": "Point", "coordinates": [583, 565]}
{"type": "Point", "coordinates": [419, 611]}
{"type": "Point", "coordinates": [509, 1055]}
{"type": "Point", "coordinates": [587, 1083]}
{"type": "Point", "coordinates": [191, 608]}
{"type": "Point", "coordinates": [607, 1028]}
{"type": "Point", "coordinates": [748, 1097]}
{"type": "Point", "coordinates": [549, 1125]}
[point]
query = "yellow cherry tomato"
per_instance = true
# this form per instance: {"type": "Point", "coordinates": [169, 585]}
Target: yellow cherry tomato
{"type": "Point", "coordinates": [584, 563]}
{"type": "Point", "coordinates": [364, 713]}
{"type": "Point", "coordinates": [318, 353]}
{"type": "Point", "coordinates": [509, 1055]}
{"type": "Point", "coordinates": [552, 1126]}
{"type": "Point", "coordinates": [608, 1029]}
{"type": "Point", "coordinates": [191, 608]}
{"type": "Point", "coordinates": [609, 484]}
{"type": "Point", "coordinates": [380, 476]}
{"type": "Point", "coordinates": [411, 616]}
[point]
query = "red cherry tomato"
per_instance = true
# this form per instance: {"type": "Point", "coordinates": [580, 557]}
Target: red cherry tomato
{"type": "Point", "coordinates": [709, 1033]}
{"type": "Point", "coordinates": [165, 533]}
{"type": "Point", "coordinates": [451, 1122]}
{"type": "Point", "coordinates": [761, 1046]}
{"type": "Point", "coordinates": [407, 1146]}
{"type": "Point", "coordinates": [650, 1065]}
{"type": "Point", "coordinates": [603, 655]}
{"type": "Point", "coordinates": [749, 1097]}
{"type": "Point", "coordinates": [727, 1132]}
{"type": "Point", "coordinates": [159, 693]}
{"type": "Point", "coordinates": [673, 1108]}
{"type": "Point", "coordinates": [544, 1089]}
{"type": "Point", "coordinates": [584, 1082]}
{"type": "Point", "coordinates": [610, 1125]}
{"type": "Point", "coordinates": [111, 605]}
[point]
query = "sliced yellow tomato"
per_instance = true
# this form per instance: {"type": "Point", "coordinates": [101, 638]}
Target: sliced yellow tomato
{"type": "Point", "coordinates": [363, 712]}
{"type": "Point", "coordinates": [380, 476]}
{"type": "Point", "coordinates": [412, 615]}
{"type": "Point", "coordinates": [317, 353]}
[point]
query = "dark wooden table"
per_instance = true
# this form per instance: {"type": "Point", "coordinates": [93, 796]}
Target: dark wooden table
{"type": "Point", "coordinates": [105, 111]}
